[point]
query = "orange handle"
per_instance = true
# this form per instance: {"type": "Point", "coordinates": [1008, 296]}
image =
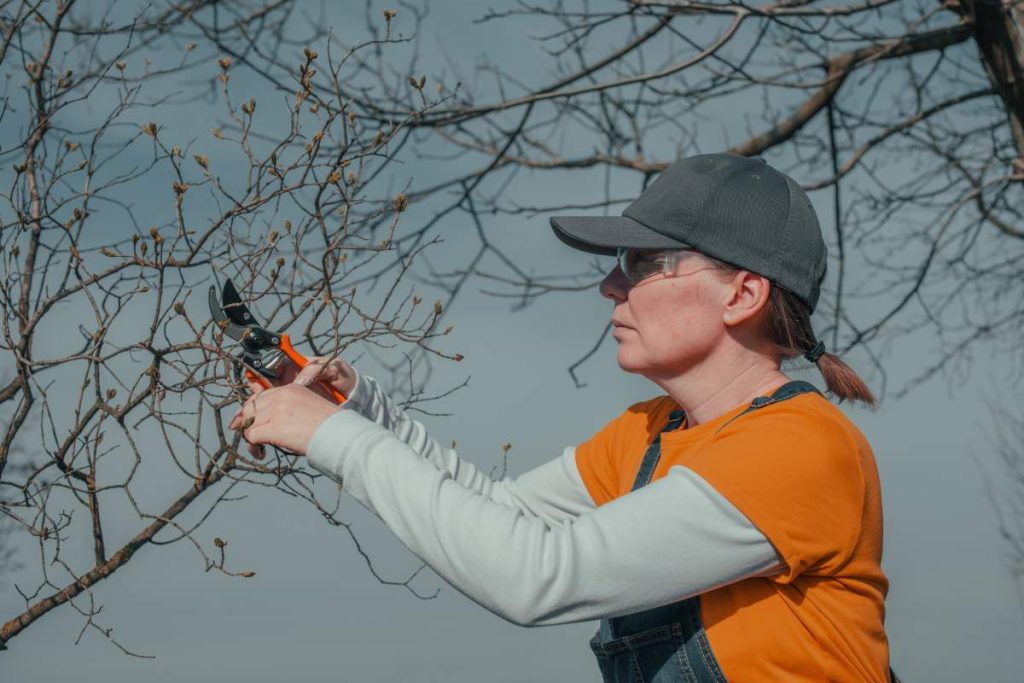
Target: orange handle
{"type": "Point", "coordinates": [301, 362]}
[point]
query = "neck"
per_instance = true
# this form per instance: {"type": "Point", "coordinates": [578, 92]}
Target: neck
{"type": "Point", "coordinates": [733, 377]}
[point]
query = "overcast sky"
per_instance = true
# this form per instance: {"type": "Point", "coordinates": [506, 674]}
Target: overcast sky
{"type": "Point", "coordinates": [314, 612]}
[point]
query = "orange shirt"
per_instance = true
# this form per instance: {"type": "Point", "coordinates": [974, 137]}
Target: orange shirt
{"type": "Point", "coordinates": [805, 476]}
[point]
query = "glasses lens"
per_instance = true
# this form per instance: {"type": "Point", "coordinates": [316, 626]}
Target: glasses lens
{"type": "Point", "coordinates": [638, 265]}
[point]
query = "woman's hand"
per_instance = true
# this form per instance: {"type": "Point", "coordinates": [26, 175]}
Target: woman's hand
{"type": "Point", "coordinates": [321, 370]}
{"type": "Point", "coordinates": [285, 416]}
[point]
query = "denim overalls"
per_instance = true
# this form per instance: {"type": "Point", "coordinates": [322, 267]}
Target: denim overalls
{"type": "Point", "coordinates": [667, 644]}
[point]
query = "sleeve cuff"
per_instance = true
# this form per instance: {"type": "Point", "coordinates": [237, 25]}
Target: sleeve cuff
{"type": "Point", "coordinates": [361, 395]}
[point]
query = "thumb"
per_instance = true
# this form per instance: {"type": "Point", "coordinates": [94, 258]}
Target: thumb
{"type": "Point", "coordinates": [310, 373]}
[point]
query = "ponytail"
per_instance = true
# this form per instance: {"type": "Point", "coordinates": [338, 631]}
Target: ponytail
{"type": "Point", "coordinates": [842, 381]}
{"type": "Point", "coordinates": [788, 326]}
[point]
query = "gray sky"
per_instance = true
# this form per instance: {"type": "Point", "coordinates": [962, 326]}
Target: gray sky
{"type": "Point", "coordinates": [314, 613]}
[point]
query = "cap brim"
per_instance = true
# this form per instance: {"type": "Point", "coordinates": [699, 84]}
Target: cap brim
{"type": "Point", "coordinates": [606, 234]}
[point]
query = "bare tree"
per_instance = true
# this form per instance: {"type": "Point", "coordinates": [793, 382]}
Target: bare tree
{"type": "Point", "coordinates": [115, 366]}
{"type": "Point", "coordinates": [903, 117]}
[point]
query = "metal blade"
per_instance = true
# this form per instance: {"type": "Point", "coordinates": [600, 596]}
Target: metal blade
{"type": "Point", "coordinates": [233, 307]}
{"type": "Point", "coordinates": [224, 322]}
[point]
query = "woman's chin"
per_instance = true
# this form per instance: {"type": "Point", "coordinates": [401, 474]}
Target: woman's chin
{"type": "Point", "coordinates": [629, 362]}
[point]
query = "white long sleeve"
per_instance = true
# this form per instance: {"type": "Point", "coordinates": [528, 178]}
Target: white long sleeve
{"type": "Point", "coordinates": [554, 491]}
{"type": "Point", "coordinates": [674, 538]}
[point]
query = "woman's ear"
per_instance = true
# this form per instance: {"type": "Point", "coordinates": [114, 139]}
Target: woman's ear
{"type": "Point", "coordinates": [746, 296]}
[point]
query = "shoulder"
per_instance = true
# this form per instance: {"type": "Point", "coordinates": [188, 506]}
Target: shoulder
{"type": "Point", "coordinates": [807, 418]}
{"type": "Point", "coordinates": [801, 442]}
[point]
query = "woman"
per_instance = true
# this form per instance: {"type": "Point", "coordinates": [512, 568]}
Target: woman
{"type": "Point", "coordinates": [730, 529]}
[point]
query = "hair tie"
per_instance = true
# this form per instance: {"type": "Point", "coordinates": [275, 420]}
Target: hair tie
{"type": "Point", "coordinates": [815, 352]}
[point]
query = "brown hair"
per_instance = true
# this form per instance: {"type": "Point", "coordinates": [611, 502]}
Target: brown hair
{"type": "Point", "coordinates": [787, 325]}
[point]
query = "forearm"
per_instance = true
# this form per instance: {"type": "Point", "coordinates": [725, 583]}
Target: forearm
{"type": "Point", "coordinates": [531, 571]}
{"type": "Point", "coordinates": [554, 491]}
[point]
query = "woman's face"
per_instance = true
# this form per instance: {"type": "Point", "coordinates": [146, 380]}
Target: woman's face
{"type": "Point", "coordinates": [667, 323]}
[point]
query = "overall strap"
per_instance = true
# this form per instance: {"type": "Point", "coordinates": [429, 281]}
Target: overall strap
{"type": "Point", "coordinates": [653, 453]}
{"type": "Point", "coordinates": [666, 644]}
{"type": "Point", "coordinates": [786, 391]}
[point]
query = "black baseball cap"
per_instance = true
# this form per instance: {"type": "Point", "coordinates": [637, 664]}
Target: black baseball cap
{"type": "Point", "coordinates": [733, 208]}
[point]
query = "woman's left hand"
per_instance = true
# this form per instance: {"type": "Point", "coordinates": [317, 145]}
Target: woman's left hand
{"type": "Point", "coordinates": [285, 416]}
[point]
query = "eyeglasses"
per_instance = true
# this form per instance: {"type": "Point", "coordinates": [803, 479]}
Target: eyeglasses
{"type": "Point", "coordinates": [638, 265]}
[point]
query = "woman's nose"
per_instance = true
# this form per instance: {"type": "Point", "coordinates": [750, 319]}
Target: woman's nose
{"type": "Point", "coordinates": [615, 286]}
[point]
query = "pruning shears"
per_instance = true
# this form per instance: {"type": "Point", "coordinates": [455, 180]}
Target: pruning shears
{"type": "Point", "coordinates": [264, 353]}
